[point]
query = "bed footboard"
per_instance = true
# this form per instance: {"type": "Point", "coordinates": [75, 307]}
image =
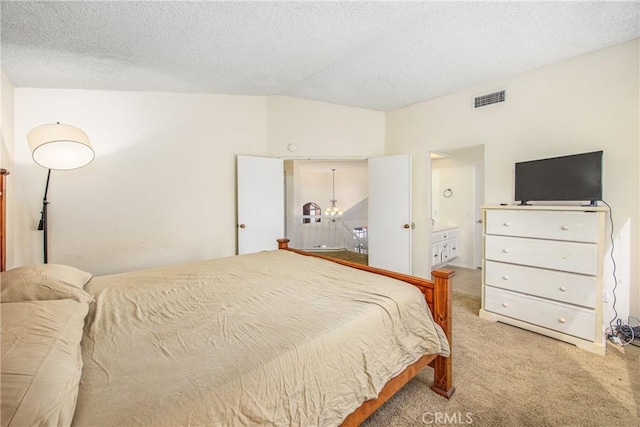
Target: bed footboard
{"type": "Point", "coordinates": [437, 293]}
{"type": "Point", "coordinates": [441, 310]}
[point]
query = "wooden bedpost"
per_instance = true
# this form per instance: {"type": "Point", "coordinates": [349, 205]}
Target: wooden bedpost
{"type": "Point", "coordinates": [442, 366]}
{"type": "Point", "coordinates": [283, 243]}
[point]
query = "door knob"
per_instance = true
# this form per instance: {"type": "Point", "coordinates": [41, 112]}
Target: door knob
{"type": "Point", "coordinates": [406, 226]}
{"type": "Point", "coordinates": [242, 226]}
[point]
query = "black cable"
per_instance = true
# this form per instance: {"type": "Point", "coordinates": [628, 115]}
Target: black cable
{"type": "Point", "coordinates": [629, 334]}
{"type": "Point", "coordinates": [615, 278]}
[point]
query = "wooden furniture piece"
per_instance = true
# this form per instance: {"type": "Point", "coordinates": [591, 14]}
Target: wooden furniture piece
{"type": "Point", "coordinates": [3, 220]}
{"type": "Point", "coordinates": [444, 245]}
{"type": "Point", "coordinates": [542, 271]}
{"type": "Point", "coordinates": [438, 297]}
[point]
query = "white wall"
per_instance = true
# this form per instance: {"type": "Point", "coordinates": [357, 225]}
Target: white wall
{"type": "Point", "coordinates": [587, 103]}
{"type": "Point", "coordinates": [314, 183]}
{"type": "Point", "coordinates": [323, 130]}
{"type": "Point", "coordinates": [7, 157]}
{"type": "Point", "coordinates": [161, 189]}
{"type": "Point", "coordinates": [6, 121]}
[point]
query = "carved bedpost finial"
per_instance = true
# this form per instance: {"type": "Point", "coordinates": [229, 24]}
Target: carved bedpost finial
{"type": "Point", "coordinates": [283, 243]}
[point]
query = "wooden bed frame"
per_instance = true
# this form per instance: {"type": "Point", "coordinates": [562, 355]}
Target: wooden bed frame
{"type": "Point", "coordinates": [438, 296]}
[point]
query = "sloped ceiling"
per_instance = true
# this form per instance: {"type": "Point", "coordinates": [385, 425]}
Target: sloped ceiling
{"type": "Point", "coordinates": [375, 55]}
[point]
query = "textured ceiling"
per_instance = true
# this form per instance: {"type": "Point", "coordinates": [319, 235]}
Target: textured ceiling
{"type": "Point", "coordinates": [376, 55]}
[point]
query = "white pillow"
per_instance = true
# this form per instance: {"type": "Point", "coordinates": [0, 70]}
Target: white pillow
{"type": "Point", "coordinates": [44, 282]}
{"type": "Point", "coordinates": [41, 361]}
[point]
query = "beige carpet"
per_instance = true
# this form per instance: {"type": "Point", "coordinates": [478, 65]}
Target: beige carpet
{"type": "Point", "coordinates": [346, 255]}
{"type": "Point", "coordinates": [505, 376]}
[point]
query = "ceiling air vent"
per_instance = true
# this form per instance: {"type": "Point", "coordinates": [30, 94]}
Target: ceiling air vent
{"type": "Point", "coordinates": [489, 99]}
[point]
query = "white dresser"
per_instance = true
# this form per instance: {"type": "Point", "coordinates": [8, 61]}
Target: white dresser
{"type": "Point", "coordinates": [444, 245]}
{"type": "Point", "coordinates": [542, 271]}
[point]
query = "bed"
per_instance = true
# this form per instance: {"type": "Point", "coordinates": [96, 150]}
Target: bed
{"type": "Point", "coordinates": [275, 338]}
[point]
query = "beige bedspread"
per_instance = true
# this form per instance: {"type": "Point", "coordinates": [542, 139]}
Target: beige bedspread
{"type": "Point", "coordinates": [274, 338]}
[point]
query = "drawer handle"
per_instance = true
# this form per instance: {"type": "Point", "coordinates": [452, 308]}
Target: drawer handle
{"type": "Point", "coordinates": [505, 250]}
{"type": "Point", "coordinates": [562, 320]}
{"type": "Point", "coordinates": [565, 228]}
{"type": "Point", "coordinates": [505, 277]}
{"type": "Point", "coordinates": [563, 288]}
{"type": "Point", "coordinates": [506, 224]}
{"type": "Point", "coordinates": [505, 304]}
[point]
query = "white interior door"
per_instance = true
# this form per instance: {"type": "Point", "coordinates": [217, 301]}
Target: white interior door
{"type": "Point", "coordinates": [260, 203]}
{"type": "Point", "coordinates": [390, 213]}
{"type": "Point", "coordinates": [478, 181]}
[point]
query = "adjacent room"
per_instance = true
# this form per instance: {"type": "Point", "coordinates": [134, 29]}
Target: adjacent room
{"type": "Point", "coordinates": [320, 213]}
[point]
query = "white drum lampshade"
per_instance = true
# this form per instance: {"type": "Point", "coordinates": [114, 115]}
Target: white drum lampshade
{"type": "Point", "coordinates": [60, 147]}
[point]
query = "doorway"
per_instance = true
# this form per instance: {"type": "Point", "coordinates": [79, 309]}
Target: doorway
{"type": "Point", "coordinates": [374, 196]}
{"type": "Point", "coordinates": [338, 192]}
{"type": "Point", "coordinates": [388, 191]}
{"type": "Point", "coordinates": [457, 194]}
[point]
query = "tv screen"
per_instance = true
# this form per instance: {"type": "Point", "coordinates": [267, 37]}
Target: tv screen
{"type": "Point", "coordinates": [576, 177]}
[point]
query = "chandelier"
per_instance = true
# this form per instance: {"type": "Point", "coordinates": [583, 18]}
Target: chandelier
{"type": "Point", "coordinates": [333, 212]}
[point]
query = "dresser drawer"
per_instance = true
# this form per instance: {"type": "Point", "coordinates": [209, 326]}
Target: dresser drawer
{"type": "Point", "coordinates": [560, 286]}
{"type": "Point", "coordinates": [454, 247]}
{"type": "Point", "coordinates": [554, 255]}
{"type": "Point", "coordinates": [436, 254]}
{"type": "Point", "coordinates": [572, 226]}
{"type": "Point", "coordinates": [449, 234]}
{"type": "Point", "coordinates": [446, 251]}
{"type": "Point", "coordinates": [560, 317]}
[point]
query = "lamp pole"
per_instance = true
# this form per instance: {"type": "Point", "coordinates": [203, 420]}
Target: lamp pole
{"type": "Point", "coordinates": [42, 226]}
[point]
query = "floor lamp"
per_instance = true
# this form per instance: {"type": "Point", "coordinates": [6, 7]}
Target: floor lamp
{"type": "Point", "coordinates": [57, 147]}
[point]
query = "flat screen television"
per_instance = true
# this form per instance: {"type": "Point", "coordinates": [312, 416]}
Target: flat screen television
{"type": "Point", "coordinates": [577, 177]}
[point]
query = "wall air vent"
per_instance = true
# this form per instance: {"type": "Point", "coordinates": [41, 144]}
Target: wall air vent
{"type": "Point", "coordinates": [489, 99]}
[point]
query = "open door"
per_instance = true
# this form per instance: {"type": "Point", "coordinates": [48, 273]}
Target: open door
{"type": "Point", "coordinates": [260, 203]}
{"type": "Point", "coordinates": [390, 225]}
{"type": "Point", "coordinates": [3, 220]}
{"type": "Point", "coordinates": [478, 201]}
